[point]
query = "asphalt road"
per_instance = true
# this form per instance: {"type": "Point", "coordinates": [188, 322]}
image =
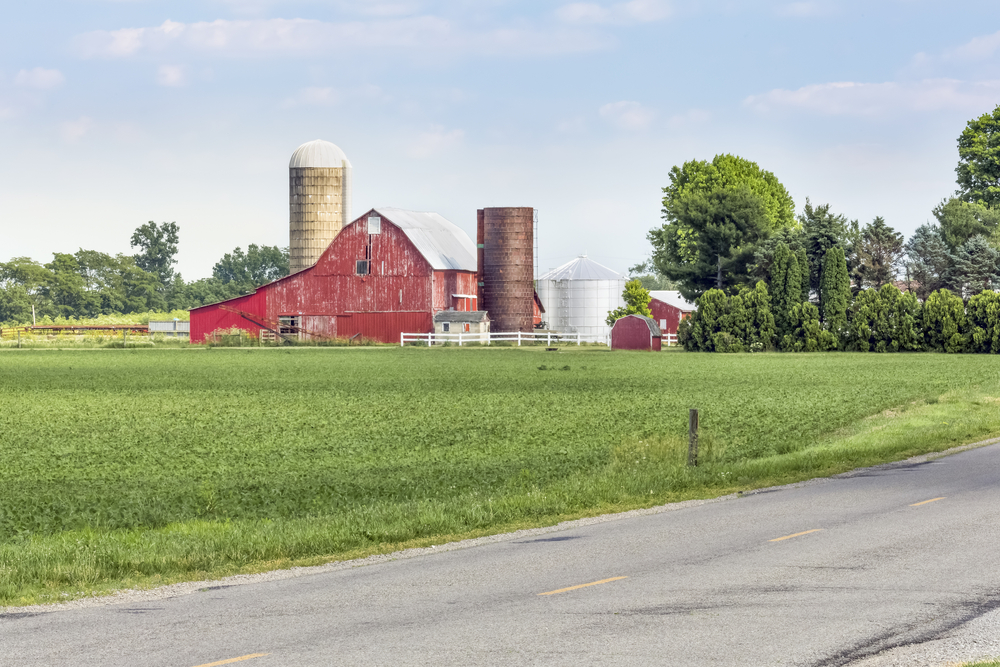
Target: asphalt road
{"type": "Point", "coordinates": [819, 574]}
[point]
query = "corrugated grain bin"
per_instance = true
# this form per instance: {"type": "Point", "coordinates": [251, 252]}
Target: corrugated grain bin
{"type": "Point", "coordinates": [635, 332]}
{"type": "Point", "coordinates": [578, 295]}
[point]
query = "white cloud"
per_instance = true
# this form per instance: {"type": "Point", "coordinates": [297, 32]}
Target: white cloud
{"type": "Point", "coordinates": [978, 48]}
{"type": "Point", "coordinates": [303, 37]}
{"type": "Point", "coordinates": [804, 9]}
{"type": "Point", "coordinates": [40, 78]}
{"type": "Point", "coordinates": [627, 115]}
{"type": "Point", "coordinates": [435, 141]}
{"type": "Point", "coordinates": [635, 11]}
{"type": "Point", "coordinates": [73, 130]}
{"type": "Point", "coordinates": [880, 99]}
{"type": "Point", "coordinates": [170, 75]}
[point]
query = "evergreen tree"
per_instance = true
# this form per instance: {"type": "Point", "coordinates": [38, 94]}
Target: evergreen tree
{"type": "Point", "coordinates": [961, 220]}
{"type": "Point", "coordinates": [974, 267]}
{"type": "Point", "coordinates": [785, 288]}
{"type": "Point", "coordinates": [710, 239]}
{"type": "Point", "coordinates": [880, 253]}
{"type": "Point", "coordinates": [835, 292]}
{"type": "Point", "coordinates": [929, 260]}
{"type": "Point", "coordinates": [823, 230]}
{"type": "Point", "coordinates": [803, 261]}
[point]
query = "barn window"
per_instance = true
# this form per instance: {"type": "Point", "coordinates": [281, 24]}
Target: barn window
{"type": "Point", "coordinates": [663, 324]}
{"type": "Point", "coordinates": [362, 267]}
{"type": "Point", "coordinates": [445, 327]}
{"type": "Point", "coordinates": [374, 224]}
{"type": "Point", "coordinates": [288, 324]}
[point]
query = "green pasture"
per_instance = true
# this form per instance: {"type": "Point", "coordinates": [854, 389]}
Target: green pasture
{"type": "Point", "coordinates": [138, 467]}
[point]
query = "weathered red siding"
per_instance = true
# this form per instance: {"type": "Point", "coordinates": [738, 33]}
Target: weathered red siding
{"type": "Point", "coordinates": [632, 333]}
{"type": "Point", "coordinates": [667, 316]}
{"type": "Point", "coordinates": [401, 294]}
{"type": "Point", "coordinates": [206, 319]}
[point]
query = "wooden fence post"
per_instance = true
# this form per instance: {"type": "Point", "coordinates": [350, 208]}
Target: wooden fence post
{"type": "Point", "coordinates": [693, 437]}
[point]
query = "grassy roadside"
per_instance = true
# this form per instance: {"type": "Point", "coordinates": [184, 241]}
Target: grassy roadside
{"type": "Point", "coordinates": [625, 469]}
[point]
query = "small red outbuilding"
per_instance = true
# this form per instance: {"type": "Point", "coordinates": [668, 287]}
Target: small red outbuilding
{"type": "Point", "coordinates": [635, 332]}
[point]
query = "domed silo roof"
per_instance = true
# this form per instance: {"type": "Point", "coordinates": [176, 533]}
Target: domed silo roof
{"type": "Point", "coordinates": [318, 153]}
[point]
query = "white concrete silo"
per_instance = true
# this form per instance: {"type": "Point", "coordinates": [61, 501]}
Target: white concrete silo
{"type": "Point", "coordinates": [319, 200]}
{"type": "Point", "coordinates": [578, 295]}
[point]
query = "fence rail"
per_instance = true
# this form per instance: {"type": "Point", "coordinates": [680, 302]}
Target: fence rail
{"type": "Point", "coordinates": [519, 336]}
{"type": "Point", "coordinates": [492, 337]}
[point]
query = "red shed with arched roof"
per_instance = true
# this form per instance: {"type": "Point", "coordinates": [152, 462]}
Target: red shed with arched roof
{"type": "Point", "coordinates": [635, 332]}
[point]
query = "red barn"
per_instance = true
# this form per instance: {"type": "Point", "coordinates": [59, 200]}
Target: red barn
{"type": "Point", "coordinates": [386, 273]}
{"type": "Point", "coordinates": [635, 332]}
{"type": "Point", "coordinates": [669, 308]}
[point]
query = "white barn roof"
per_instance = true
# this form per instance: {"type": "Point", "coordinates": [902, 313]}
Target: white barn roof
{"type": "Point", "coordinates": [582, 268]}
{"type": "Point", "coordinates": [441, 242]}
{"type": "Point", "coordinates": [673, 298]}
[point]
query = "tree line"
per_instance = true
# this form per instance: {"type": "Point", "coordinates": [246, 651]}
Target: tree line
{"type": "Point", "coordinates": [764, 278]}
{"type": "Point", "coordinates": [89, 283]}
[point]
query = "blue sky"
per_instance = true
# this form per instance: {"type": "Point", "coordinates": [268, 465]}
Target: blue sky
{"type": "Point", "coordinates": [113, 113]}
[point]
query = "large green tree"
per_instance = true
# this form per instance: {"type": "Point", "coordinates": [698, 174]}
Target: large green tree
{"type": "Point", "coordinates": [979, 160]}
{"type": "Point", "coordinates": [711, 239]}
{"type": "Point", "coordinates": [730, 172]}
{"type": "Point", "coordinates": [255, 267]}
{"type": "Point", "coordinates": [157, 244]}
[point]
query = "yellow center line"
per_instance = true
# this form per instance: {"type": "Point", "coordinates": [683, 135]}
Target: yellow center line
{"type": "Point", "coordinates": [232, 660]}
{"type": "Point", "coordinates": [924, 502]}
{"type": "Point", "coordinates": [593, 583]}
{"type": "Point", "coordinates": [788, 537]}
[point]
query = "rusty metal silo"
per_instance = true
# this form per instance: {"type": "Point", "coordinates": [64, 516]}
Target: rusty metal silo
{"type": "Point", "coordinates": [319, 199]}
{"type": "Point", "coordinates": [507, 267]}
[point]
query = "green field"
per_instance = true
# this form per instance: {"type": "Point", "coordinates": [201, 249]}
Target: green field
{"type": "Point", "coordinates": [138, 467]}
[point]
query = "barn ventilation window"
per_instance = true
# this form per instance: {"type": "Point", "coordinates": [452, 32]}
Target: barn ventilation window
{"type": "Point", "coordinates": [362, 268]}
{"type": "Point", "coordinates": [288, 324]}
{"type": "Point", "coordinates": [374, 224]}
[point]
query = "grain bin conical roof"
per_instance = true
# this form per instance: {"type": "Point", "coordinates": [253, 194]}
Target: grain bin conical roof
{"type": "Point", "coordinates": [582, 268]}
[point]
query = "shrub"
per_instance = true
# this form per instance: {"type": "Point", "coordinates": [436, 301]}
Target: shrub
{"type": "Point", "coordinates": [944, 322]}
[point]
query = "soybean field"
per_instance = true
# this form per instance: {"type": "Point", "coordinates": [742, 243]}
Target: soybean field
{"type": "Point", "coordinates": [138, 467]}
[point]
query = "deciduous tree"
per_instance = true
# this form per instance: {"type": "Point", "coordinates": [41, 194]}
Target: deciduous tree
{"type": "Point", "coordinates": [979, 160]}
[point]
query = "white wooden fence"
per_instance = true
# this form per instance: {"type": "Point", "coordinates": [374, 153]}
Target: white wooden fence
{"type": "Point", "coordinates": [520, 337]}
{"type": "Point", "coordinates": [491, 337]}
